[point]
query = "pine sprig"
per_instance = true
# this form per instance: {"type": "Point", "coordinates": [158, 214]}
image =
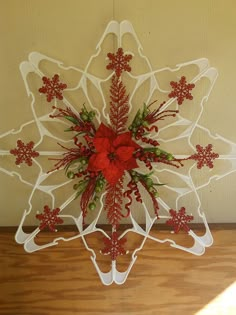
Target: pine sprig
{"type": "Point", "coordinates": [118, 105]}
{"type": "Point", "coordinates": [113, 203]}
{"type": "Point", "coordinates": [87, 195]}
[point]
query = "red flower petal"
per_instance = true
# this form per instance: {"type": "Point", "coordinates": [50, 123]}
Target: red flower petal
{"type": "Point", "coordinates": [105, 132]}
{"type": "Point", "coordinates": [98, 162]}
{"type": "Point", "coordinates": [102, 144]}
{"type": "Point", "coordinates": [124, 153]}
{"type": "Point", "coordinates": [125, 140]}
{"type": "Point", "coordinates": [114, 172]}
{"type": "Point", "coordinates": [130, 164]}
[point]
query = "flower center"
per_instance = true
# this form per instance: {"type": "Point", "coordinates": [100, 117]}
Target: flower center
{"type": "Point", "coordinates": [112, 156]}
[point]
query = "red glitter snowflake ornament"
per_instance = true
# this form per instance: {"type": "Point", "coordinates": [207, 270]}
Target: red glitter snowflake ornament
{"type": "Point", "coordinates": [49, 218]}
{"type": "Point", "coordinates": [204, 156]}
{"type": "Point", "coordinates": [181, 90]}
{"type": "Point", "coordinates": [114, 246]}
{"type": "Point", "coordinates": [24, 152]}
{"type": "Point", "coordinates": [179, 220]}
{"type": "Point", "coordinates": [52, 88]}
{"type": "Point", "coordinates": [119, 62]}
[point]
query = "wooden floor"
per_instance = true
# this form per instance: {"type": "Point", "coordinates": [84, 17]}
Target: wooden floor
{"type": "Point", "coordinates": [63, 281]}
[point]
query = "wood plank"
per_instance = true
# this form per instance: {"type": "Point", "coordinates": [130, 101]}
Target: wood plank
{"type": "Point", "coordinates": [62, 280]}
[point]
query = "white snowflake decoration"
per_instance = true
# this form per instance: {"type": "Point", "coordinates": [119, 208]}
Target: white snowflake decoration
{"type": "Point", "coordinates": [187, 126]}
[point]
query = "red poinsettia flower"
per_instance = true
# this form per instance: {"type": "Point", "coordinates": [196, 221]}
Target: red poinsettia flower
{"type": "Point", "coordinates": [114, 154]}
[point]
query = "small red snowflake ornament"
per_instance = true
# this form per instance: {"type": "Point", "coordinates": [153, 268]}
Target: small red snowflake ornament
{"type": "Point", "coordinates": [52, 88]}
{"type": "Point", "coordinates": [49, 218]}
{"type": "Point", "coordinates": [181, 90]}
{"type": "Point", "coordinates": [204, 156]}
{"type": "Point", "coordinates": [119, 62]}
{"type": "Point", "coordinates": [114, 246]}
{"type": "Point", "coordinates": [179, 220]}
{"type": "Point", "coordinates": [24, 152]}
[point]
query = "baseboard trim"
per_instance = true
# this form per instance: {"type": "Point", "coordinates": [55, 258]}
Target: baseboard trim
{"type": "Point", "coordinates": [122, 227]}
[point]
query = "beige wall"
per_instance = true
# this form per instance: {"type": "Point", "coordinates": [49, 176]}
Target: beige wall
{"type": "Point", "coordinates": [171, 32]}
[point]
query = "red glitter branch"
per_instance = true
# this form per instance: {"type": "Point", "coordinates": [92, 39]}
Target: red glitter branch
{"type": "Point", "coordinates": [153, 197]}
{"type": "Point", "coordinates": [143, 130]}
{"type": "Point", "coordinates": [65, 112]}
{"type": "Point", "coordinates": [119, 105]}
{"type": "Point", "coordinates": [86, 196]}
{"type": "Point", "coordinates": [113, 203]}
{"type": "Point", "coordinates": [82, 123]}
{"type": "Point", "coordinates": [156, 155]}
{"type": "Point", "coordinates": [133, 188]}
{"type": "Point", "coordinates": [156, 115]}
{"type": "Point", "coordinates": [145, 118]}
{"type": "Point", "coordinates": [72, 154]}
{"type": "Point", "coordinates": [146, 181]}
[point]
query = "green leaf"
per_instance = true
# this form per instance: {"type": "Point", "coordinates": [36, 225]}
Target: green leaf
{"type": "Point", "coordinates": [78, 193]}
{"type": "Point", "coordinates": [145, 111]}
{"type": "Point", "coordinates": [72, 119]}
{"type": "Point", "coordinates": [83, 185]}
